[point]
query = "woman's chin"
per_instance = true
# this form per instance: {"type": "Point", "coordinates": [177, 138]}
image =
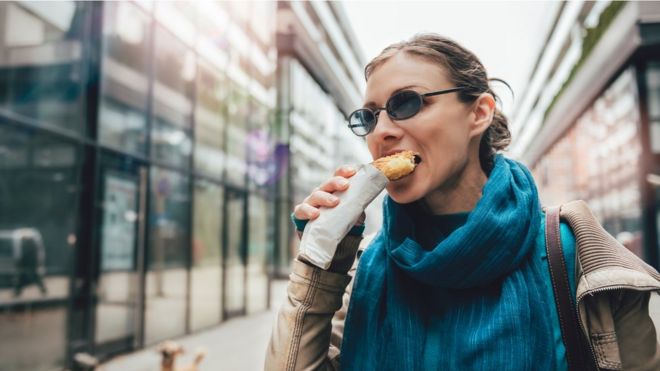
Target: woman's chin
{"type": "Point", "coordinates": [403, 193]}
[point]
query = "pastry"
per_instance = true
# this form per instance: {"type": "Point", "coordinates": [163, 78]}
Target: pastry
{"type": "Point", "coordinates": [398, 165]}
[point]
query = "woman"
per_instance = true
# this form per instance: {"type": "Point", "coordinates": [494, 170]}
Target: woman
{"type": "Point", "coordinates": [457, 278]}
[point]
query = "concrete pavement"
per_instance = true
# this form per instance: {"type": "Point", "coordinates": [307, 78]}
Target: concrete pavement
{"type": "Point", "coordinates": [238, 344]}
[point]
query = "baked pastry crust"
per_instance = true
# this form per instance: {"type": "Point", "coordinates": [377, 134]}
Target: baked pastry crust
{"type": "Point", "coordinates": [397, 165]}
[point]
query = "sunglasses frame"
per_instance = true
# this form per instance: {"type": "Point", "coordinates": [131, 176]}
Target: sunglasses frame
{"type": "Point", "coordinates": [377, 111]}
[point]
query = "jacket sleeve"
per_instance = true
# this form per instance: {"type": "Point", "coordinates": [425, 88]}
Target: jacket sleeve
{"type": "Point", "coordinates": [636, 333]}
{"type": "Point", "coordinates": [308, 329]}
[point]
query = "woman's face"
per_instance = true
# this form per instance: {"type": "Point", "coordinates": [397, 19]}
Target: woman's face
{"type": "Point", "coordinates": [441, 132]}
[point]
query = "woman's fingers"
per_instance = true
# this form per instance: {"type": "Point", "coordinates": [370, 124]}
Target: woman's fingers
{"type": "Point", "coordinates": [305, 211]}
{"type": "Point", "coordinates": [334, 184]}
{"type": "Point", "coordinates": [309, 208]}
{"type": "Point", "coordinates": [321, 198]}
{"type": "Point", "coordinates": [323, 195]}
{"type": "Point", "coordinates": [345, 171]}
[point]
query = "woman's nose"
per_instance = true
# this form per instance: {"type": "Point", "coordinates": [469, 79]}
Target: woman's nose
{"type": "Point", "coordinates": [386, 128]}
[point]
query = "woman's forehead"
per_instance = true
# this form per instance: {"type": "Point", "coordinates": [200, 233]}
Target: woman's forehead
{"type": "Point", "coordinates": [403, 70]}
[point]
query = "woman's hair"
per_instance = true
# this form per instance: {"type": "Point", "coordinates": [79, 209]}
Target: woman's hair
{"type": "Point", "coordinates": [466, 71]}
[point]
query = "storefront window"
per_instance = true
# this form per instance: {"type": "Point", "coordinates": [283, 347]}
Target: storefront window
{"type": "Point", "coordinates": [206, 279]}
{"type": "Point", "coordinates": [598, 160]}
{"type": "Point", "coordinates": [175, 69]}
{"type": "Point", "coordinates": [258, 249]}
{"type": "Point", "coordinates": [122, 182]}
{"type": "Point", "coordinates": [149, 234]}
{"type": "Point", "coordinates": [124, 78]}
{"type": "Point", "coordinates": [262, 159]}
{"type": "Point", "coordinates": [169, 243]}
{"type": "Point", "coordinates": [210, 122]}
{"type": "Point", "coordinates": [39, 194]}
{"type": "Point", "coordinates": [238, 108]}
{"type": "Point", "coordinates": [653, 86]}
{"type": "Point", "coordinates": [261, 115]}
{"type": "Point", "coordinates": [41, 67]}
{"type": "Point", "coordinates": [234, 303]}
{"type": "Point", "coordinates": [612, 126]}
{"type": "Point", "coordinates": [653, 104]}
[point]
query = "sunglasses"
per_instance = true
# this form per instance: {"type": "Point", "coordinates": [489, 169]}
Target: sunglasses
{"type": "Point", "coordinates": [400, 106]}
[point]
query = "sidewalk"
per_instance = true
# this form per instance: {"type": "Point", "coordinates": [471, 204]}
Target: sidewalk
{"type": "Point", "coordinates": [238, 344]}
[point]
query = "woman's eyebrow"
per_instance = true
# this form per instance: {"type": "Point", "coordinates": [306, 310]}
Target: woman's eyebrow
{"type": "Point", "coordinates": [372, 104]}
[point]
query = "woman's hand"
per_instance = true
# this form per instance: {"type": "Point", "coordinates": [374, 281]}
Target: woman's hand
{"type": "Point", "coordinates": [323, 196]}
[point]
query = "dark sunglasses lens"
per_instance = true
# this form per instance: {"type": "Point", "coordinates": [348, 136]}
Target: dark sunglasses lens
{"type": "Point", "coordinates": [404, 105]}
{"type": "Point", "coordinates": [361, 122]}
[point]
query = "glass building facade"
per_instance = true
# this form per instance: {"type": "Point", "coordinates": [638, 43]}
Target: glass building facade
{"type": "Point", "coordinates": [602, 153]}
{"type": "Point", "coordinates": [136, 173]}
{"type": "Point", "coordinates": [609, 158]}
{"type": "Point", "coordinates": [588, 123]}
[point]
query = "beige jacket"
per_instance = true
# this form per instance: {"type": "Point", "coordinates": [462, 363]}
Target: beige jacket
{"type": "Point", "coordinates": [613, 291]}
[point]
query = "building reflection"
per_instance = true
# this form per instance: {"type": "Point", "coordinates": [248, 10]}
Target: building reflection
{"type": "Point", "coordinates": [602, 153]}
{"type": "Point", "coordinates": [141, 158]}
{"type": "Point", "coordinates": [588, 126]}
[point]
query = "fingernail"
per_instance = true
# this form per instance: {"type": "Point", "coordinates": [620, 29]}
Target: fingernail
{"type": "Point", "coordinates": [343, 182]}
{"type": "Point", "coordinates": [350, 169]}
{"type": "Point", "coordinates": [332, 199]}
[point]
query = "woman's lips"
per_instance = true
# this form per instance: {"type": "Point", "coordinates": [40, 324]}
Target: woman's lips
{"type": "Point", "coordinates": [418, 158]}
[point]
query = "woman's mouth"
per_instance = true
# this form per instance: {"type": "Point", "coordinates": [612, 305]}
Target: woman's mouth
{"type": "Point", "coordinates": [418, 158]}
{"type": "Point", "coordinates": [398, 164]}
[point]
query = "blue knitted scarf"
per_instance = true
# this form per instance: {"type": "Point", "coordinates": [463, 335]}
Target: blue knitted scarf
{"type": "Point", "coordinates": [478, 290]}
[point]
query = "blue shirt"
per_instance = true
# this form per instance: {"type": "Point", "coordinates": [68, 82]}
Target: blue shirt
{"type": "Point", "coordinates": [450, 222]}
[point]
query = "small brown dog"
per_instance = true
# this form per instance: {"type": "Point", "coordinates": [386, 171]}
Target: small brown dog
{"type": "Point", "coordinates": [169, 350]}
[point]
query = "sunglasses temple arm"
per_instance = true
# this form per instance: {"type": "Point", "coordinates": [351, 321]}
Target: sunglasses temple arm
{"type": "Point", "coordinates": [441, 92]}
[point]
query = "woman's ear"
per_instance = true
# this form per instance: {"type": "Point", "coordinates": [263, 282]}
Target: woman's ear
{"type": "Point", "coordinates": [483, 110]}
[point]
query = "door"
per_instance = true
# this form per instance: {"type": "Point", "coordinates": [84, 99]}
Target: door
{"type": "Point", "coordinates": [120, 246]}
{"type": "Point", "coordinates": [234, 254]}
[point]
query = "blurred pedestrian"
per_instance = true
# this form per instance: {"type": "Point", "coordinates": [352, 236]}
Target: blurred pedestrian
{"type": "Point", "coordinates": [28, 266]}
{"type": "Point", "coordinates": [458, 276]}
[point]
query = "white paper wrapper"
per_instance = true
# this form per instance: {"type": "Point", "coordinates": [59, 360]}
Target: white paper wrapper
{"type": "Point", "coordinates": [322, 235]}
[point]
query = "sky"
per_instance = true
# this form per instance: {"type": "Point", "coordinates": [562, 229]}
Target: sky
{"type": "Point", "coordinates": [507, 36]}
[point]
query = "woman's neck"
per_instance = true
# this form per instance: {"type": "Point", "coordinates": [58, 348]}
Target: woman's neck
{"type": "Point", "coordinates": [459, 194]}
